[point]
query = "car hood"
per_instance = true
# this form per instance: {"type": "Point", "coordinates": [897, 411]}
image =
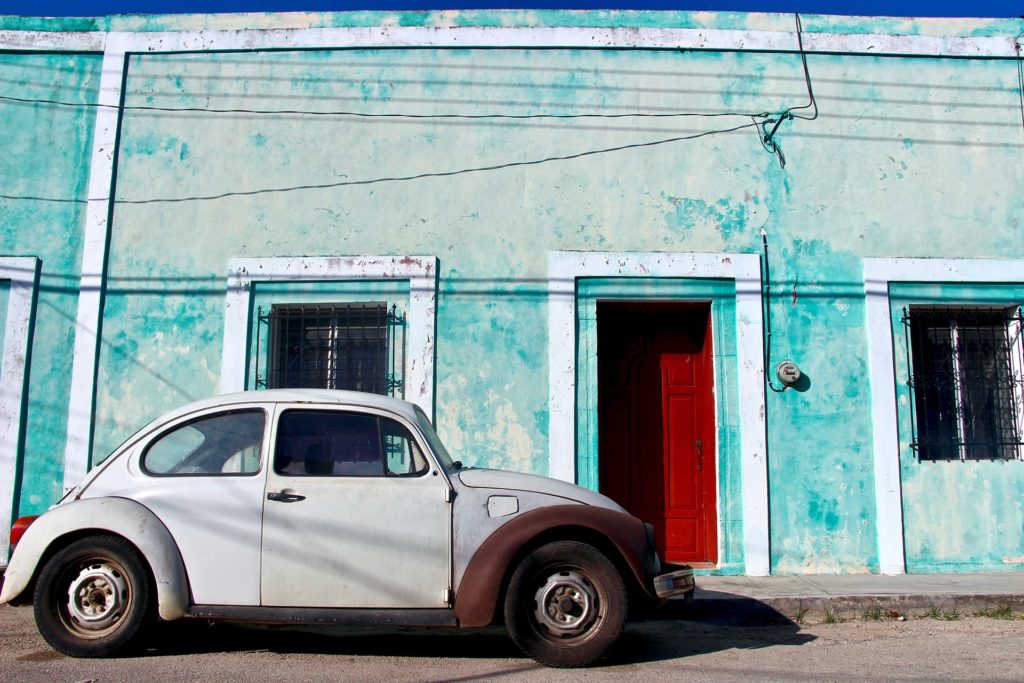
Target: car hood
{"type": "Point", "coordinates": [518, 481]}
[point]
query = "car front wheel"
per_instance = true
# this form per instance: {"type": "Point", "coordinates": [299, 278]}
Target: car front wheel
{"type": "Point", "coordinates": [565, 604]}
{"type": "Point", "coordinates": [94, 597]}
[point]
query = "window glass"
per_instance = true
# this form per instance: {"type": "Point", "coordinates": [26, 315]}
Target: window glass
{"type": "Point", "coordinates": [403, 456]}
{"type": "Point", "coordinates": [328, 443]}
{"type": "Point", "coordinates": [334, 443]}
{"type": "Point", "coordinates": [226, 443]}
{"type": "Point", "coordinates": [435, 442]}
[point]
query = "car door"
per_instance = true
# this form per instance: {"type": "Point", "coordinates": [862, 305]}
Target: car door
{"type": "Point", "coordinates": [355, 515]}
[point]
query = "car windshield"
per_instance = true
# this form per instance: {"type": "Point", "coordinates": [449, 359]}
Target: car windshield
{"type": "Point", "coordinates": [435, 443]}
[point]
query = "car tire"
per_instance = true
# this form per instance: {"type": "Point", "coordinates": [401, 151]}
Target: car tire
{"type": "Point", "coordinates": [566, 604]}
{"type": "Point", "coordinates": [94, 597]}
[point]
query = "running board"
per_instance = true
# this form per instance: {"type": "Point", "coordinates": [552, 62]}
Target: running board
{"type": "Point", "coordinates": [325, 615]}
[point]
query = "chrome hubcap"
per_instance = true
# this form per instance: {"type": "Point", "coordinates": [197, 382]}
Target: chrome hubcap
{"type": "Point", "coordinates": [97, 597]}
{"type": "Point", "coordinates": [566, 603]}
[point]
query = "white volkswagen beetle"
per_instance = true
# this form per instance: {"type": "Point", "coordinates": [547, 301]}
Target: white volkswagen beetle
{"type": "Point", "coordinates": [327, 507]}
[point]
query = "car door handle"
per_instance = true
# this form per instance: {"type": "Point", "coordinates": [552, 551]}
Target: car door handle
{"type": "Point", "coordinates": [285, 497]}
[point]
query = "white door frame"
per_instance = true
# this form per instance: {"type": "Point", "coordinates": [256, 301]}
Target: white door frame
{"type": "Point", "coordinates": [565, 267]}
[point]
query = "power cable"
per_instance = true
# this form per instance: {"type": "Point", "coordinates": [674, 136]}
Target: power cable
{"type": "Point", "coordinates": [387, 179]}
{"type": "Point", "coordinates": [768, 137]}
{"type": "Point", "coordinates": [759, 121]}
{"type": "Point", "coordinates": [1020, 75]}
{"type": "Point", "coordinates": [366, 115]}
{"type": "Point", "coordinates": [434, 174]}
{"type": "Point", "coordinates": [766, 310]}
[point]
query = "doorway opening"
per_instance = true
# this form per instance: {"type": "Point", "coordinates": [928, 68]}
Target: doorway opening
{"type": "Point", "coordinates": [656, 421]}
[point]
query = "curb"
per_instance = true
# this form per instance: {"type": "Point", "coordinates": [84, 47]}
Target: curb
{"type": "Point", "coordinates": [749, 611]}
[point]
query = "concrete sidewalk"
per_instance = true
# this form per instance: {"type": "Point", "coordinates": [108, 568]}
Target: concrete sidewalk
{"type": "Point", "coordinates": [753, 599]}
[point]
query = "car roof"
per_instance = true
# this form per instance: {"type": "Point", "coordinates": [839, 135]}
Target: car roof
{"type": "Point", "coordinates": [307, 397]}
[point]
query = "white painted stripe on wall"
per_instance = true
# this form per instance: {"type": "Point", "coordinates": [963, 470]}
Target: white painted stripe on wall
{"type": "Point", "coordinates": [52, 41]}
{"type": "Point", "coordinates": [878, 273]}
{"type": "Point", "coordinates": [515, 37]}
{"type": "Point", "coordinates": [565, 267]}
{"type": "Point", "coordinates": [23, 274]}
{"type": "Point", "coordinates": [420, 271]}
{"type": "Point", "coordinates": [94, 263]}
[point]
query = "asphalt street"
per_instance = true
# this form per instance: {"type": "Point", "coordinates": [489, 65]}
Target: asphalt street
{"type": "Point", "coordinates": [920, 648]}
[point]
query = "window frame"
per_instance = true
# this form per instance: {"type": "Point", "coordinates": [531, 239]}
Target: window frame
{"type": "Point", "coordinates": [1011, 315]}
{"type": "Point", "coordinates": [192, 419]}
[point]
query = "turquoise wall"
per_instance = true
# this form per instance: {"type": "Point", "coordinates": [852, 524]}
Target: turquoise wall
{"type": "Point", "coordinates": [46, 152]}
{"type": "Point", "coordinates": [915, 157]}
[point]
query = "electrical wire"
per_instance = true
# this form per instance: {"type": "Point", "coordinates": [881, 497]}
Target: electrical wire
{"type": "Point", "coordinates": [388, 179]}
{"type": "Point", "coordinates": [759, 121]}
{"type": "Point", "coordinates": [435, 174]}
{"type": "Point", "coordinates": [766, 310]}
{"type": "Point", "coordinates": [367, 115]}
{"type": "Point", "coordinates": [1020, 75]}
{"type": "Point", "coordinates": [768, 138]}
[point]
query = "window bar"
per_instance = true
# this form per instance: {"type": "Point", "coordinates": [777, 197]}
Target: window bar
{"type": "Point", "coordinates": [260, 381]}
{"type": "Point", "coordinates": [1015, 327]}
{"type": "Point", "coordinates": [958, 389]}
{"type": "Point", "coordinates": [910, 379]}
{"type": "Point", "coordinates": [390, 341]}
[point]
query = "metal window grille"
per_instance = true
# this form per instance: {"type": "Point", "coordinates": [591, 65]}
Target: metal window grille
{"type": "Point", "coordinates": [965, 382]}
{"type": "Point", "coordinates": [356, 346]}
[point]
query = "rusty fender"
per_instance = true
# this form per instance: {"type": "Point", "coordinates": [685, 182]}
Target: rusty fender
{"type": "Point", "coordinates": [481, 585]}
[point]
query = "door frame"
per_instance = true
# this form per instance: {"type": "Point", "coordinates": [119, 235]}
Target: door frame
{"type": "Point", "coordinates": [740, 397]}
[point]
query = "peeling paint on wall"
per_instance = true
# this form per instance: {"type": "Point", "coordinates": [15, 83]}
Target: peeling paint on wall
{"type": "Point", "coordinates": [909, 157]}
{"type": "Point", "coordinates": [46, 154]}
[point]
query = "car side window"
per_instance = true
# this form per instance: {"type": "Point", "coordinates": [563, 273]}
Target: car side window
{"type": "Point", "coordinates": [221, 444]}
{"type": "Point", "coordinates": [404, 457]}
{"type": "Point", "coordinates": [312, 443]}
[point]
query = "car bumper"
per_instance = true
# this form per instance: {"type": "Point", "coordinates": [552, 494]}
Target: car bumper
{"type": "Point", "coordinates": [674, 584]}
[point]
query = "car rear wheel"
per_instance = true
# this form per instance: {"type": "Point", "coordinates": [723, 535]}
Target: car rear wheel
{"type": "Point", "coordinates": [94, 597]}
{"type": "Point", "coordinates": [566, 604]}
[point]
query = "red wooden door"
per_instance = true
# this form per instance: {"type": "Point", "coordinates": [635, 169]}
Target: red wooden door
{"type": "Point", "coordinates": [656, 422]}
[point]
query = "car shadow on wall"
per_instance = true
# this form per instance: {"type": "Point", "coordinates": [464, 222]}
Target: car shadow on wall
{"type": "Point", "coordinates": [712, 623]}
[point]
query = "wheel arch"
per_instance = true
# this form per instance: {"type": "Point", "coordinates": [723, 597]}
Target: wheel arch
{"type": "Point", "coordinates": [119, 517]}
{"type": "Point", "coordinates": [618, 536]}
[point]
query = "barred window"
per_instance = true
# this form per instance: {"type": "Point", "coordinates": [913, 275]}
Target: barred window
{"type": "Point", "coordinates": [354, 346]}
{"type": "Point", "coordinates": [965, 382]}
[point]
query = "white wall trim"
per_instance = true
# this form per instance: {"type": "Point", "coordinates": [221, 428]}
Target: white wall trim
{"type": "Point", "coordinates": [23, 274]}
{"type": "Point", "coordinates": [878, 274]}
{"type": "Point", "coordinates": [516, 37]}
{"type": "Point", "coordinates": [52, 41]}
{"type": "Point", "coordinates": [420, 271]}
{"type": "Point", "coordinates": [565, 267]}
{"type": "Point", "coordinates": [94, 264]}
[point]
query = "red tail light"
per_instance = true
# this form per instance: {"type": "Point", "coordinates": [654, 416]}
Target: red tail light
{"type": "Point", "coordinates": [20, 527]}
